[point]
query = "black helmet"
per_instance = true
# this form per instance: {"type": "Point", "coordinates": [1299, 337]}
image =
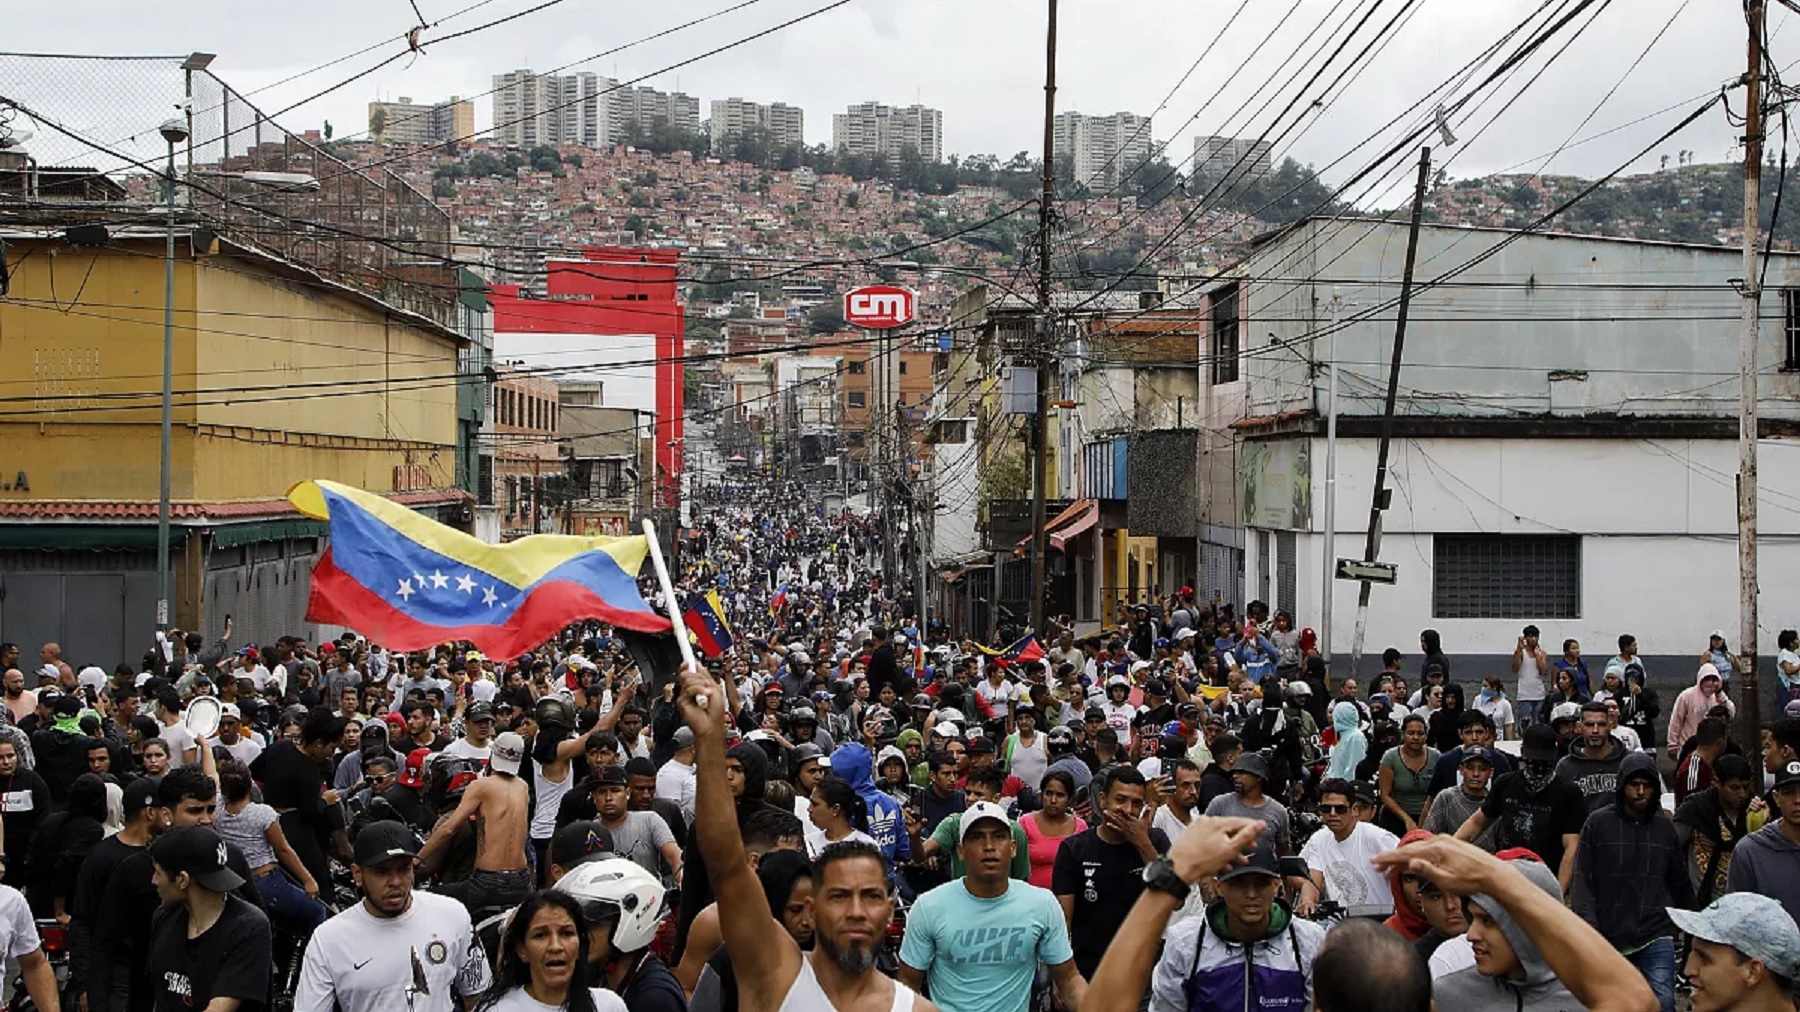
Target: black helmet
{"type": "Point", "coordinates": [555, 712]}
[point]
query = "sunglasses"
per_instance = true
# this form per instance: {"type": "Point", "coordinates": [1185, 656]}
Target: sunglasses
{"type": "Point", "coordinates": [1333, 809]}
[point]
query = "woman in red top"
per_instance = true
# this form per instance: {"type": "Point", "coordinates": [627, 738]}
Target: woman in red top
{"type": "Point", "coordinates": [1046, 828]}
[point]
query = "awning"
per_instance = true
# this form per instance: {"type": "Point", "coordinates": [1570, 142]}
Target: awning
{"type": "Point", "coordinates": [1065, 526]}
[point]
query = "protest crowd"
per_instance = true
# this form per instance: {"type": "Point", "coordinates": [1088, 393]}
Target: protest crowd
{"type": "Point", "coordinates": [843, 807]}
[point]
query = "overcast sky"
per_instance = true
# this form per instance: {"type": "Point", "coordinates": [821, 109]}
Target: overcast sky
{"type": "Point", "coordinates": [980, 61]}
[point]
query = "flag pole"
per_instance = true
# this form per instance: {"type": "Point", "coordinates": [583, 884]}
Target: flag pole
{"type": "Point", "coordinates": [668, 589]}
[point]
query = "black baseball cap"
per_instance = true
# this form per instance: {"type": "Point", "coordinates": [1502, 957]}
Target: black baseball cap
{"type": "Point", "coordinates": [478, 711]}
{"type": "Point", "coordinates": [198, 851]}
{"type": "Point", "coordinates": [982, 746]}
{"type": "Point", "coordinates": [612, 776]}
{"type": "Point", "coordinates": [580, 842]}
{"type": "Point", "coordinates": [384, 841]}
{"type": "Point", "coordinates": [140, 794]}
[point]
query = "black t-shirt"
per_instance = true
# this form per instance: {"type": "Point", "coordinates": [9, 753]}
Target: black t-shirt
{"type": "Point", "coordinates": [1537, 822]}
{"type": "Point", "coordinates": [1105, 879]}
{"type": "Point", "coordinates": [231, 959]}
{"type": "Point", "coordinates": [653, 988]}
{"type": "Point", "coordinates": [25, 801]}
{"type": "Point", "coordinates": [90, 884]}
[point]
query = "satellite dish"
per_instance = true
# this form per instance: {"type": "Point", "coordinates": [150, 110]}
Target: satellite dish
{"type": "Point", "coordinates": [202, 718]}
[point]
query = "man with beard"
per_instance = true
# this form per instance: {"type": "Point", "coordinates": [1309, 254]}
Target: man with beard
{"type": "Point", "coordinates": [852, 904]}
{"type": "Point", "coordinates": [1593, 760]}
{"type": "Point", "coordinates": [397, 949]}
{"type": "Point", "coordinates": [1536, 809]}
{"type": "Point", "coordinates": [20, 701]}
{"type": "Point", "coordinates": [1628, 870]}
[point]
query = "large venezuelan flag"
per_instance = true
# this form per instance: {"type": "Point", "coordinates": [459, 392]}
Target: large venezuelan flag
{"type": "Point", "coordinates": [408, 582]}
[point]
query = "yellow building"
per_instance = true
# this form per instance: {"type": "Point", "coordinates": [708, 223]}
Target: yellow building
{"type": "Point", "coordinates": [279, 375]}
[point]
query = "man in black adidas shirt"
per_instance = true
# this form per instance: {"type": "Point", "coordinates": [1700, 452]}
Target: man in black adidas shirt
{"type": "Point", "coordinates": [209, 950]}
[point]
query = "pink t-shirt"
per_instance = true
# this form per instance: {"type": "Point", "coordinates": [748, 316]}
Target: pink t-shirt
{"type": "Point", "coordinates": [1042, 849]}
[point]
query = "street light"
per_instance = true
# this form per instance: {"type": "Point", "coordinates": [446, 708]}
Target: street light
{"type": "Point", "coordinates": [174, 131]}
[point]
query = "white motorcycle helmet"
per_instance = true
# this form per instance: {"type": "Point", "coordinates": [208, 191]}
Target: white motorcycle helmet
{"type": "Point", "coordinates": [634, 896]}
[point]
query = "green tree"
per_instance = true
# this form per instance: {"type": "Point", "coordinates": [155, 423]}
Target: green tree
{"type": "Point", "coordinates": [825, 318]}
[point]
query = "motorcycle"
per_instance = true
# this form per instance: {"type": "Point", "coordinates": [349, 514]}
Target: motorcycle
{"type": "Point", "coordinates": [54, 939]}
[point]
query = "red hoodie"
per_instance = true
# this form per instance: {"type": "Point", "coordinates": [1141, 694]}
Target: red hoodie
{"type": "Point", "coordinates": [1407, 922]}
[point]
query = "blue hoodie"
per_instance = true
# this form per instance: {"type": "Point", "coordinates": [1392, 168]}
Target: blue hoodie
{"type": "Point", "coordinates": [852, 763]}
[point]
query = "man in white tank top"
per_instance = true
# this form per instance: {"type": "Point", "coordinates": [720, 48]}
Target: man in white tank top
{"type": "Point", "coordinates": [852, 905]}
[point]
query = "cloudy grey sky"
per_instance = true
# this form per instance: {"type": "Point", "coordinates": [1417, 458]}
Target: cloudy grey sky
{"type": "Point", "coordinates": [980, 61]}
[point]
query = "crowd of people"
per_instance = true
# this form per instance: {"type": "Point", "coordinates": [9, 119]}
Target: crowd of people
{"type": "Point", "coordinates": [847, 808]}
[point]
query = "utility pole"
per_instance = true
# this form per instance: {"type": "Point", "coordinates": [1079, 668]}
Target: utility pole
{"type": "Point", "coordinates": [1330, 567]}
{"type": "Point", "coordinates": [1046, 334]}
{"type": "Point", "coordinates": [1379, 500]}
{"type": "Point", "coordinates": [1749, 717]}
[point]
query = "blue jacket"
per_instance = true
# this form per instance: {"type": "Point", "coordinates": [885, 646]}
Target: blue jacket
{"type": "Point", "coordinates": [851, 762]}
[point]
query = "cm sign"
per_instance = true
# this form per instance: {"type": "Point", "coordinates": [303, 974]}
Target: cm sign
{"type": "Point", "coordinates": [878, 307]}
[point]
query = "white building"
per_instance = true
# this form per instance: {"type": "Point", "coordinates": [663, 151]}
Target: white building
{"type": "Point", "coordinates": [1217, 157]}
{"type": "Point", "coordinates": [649, 108]}
{"type": "Point", "coordinates": [1564, 449]}
{"type": "Point", "coordinates": [1103, 148]}
{"type": "Point", "coordinates": [870, 129]}
{"type": "Point", "coordinates": [732, 117]}
{"type": "Point", "coordinates": [532, 109]}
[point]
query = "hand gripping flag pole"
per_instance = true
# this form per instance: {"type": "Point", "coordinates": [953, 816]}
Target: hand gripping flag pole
{"type": "Point", "coordinates": [669, 602]}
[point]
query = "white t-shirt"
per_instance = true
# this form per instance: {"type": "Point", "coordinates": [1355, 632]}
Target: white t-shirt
{"type": "Point", "coordinates": [245, 749]}
{"type": "Point", "coordinates": [675, 782]}
{"type": "Point", "coordinates": [1119, 717]}
{"type": "Point", "coordinates": [20, 930]}
{"type": "Point", "coordinates": [1350, 879]}
{"type": "Point", "coordinates": [816, 841]}
{"type": "Point", "coordinates": [466, 749]}
{"type": "Point", "coordinates": [1000, 697]}
{"type": "Point", "coordinates": [180, 743]}
{"type": "Point", "coordinates": [517, 1000]}
{"type": "Point", "coordinates": [363, 963]}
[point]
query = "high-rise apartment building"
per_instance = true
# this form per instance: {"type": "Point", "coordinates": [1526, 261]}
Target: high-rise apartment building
{"type": "Point", "coordinates": [871, 128]}
{"type": "Point", "coordinates": [1217, 157]}
{"type": "Point", "coordinates": [403, 122]}
{"type": "Point", "coordinates": [532, 109]}
{"type": "Point", "coordinates": [786, 124]}
{"type": "Point", "coordinates": [648, 107]}
{"type": "Point", "coordinates": [1103, 148]}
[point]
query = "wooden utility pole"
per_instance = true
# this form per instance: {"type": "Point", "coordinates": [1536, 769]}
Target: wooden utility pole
{"type": "Point", "coordinates": [1379, 501]}
{"type": "Point", "coordinates": [1046, 336]}
{"type": "Point", "coordinates": [1749, 717]}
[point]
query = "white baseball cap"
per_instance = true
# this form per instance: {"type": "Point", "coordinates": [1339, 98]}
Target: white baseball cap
{"type": "Point", "coordinates": [978, 812]}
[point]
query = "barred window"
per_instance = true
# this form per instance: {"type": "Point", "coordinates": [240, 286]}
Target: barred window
{"type": "Point", "coordinates": [1519, 576]}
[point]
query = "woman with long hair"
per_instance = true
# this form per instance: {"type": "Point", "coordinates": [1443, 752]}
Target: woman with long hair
{"type": "Point", "coordinates": [543, 964]}
{"type": "Point", "coordinates": [1565, 691]}
{"type": "Point", "coordinates": [1046, 828]}
{"type": "Point", "coordinates": [1405, 777]}
{"type": "Point", "coordinates": [838, 814]}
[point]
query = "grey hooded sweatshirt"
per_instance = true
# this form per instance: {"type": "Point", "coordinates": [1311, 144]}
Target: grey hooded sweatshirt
{"type": "Point", "coordinates": [1767, 862]}
{"type": "Point", "coordinates": [1540, 991]}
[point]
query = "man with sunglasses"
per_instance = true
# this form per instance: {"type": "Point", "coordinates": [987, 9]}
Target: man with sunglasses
{"type": "Point", "coordinates": [1339, 860]}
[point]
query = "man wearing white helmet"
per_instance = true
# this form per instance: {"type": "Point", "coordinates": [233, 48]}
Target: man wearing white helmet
{"type": "Point", "coordinates": [623, 904]}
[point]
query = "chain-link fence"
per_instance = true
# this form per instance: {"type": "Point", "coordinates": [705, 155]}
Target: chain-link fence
{"type": "Point", "coordinates": [243, 174]}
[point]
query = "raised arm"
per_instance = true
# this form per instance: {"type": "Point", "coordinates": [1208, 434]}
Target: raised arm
{"type": "Point", "coordinates": [1592, 970]}
{"type": "Point", "coordinates": [745, 921]}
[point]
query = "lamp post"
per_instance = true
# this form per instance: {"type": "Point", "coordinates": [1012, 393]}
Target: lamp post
{"type": "Point", "coordinates": [174, 131]}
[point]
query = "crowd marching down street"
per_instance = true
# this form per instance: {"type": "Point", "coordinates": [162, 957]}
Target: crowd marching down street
{"type": "Point", "coordinates": [841, 807]}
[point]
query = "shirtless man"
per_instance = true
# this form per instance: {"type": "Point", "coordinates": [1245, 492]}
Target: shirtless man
{"type": "Point", "coordinates": [500, 806]}
{"type": "Point", "coordinates": [852, 905]}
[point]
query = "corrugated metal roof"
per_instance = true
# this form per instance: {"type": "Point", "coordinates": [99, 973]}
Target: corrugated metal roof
{"type": "Point", "coordinates": [192, 513]}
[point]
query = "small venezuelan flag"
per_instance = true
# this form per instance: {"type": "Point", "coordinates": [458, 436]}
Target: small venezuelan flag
{"type": "Point", "coordinates": [408, 582]}
{"type": "Point", "coordinates": [705, 619]}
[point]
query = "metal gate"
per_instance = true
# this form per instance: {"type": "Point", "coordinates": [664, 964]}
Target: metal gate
{"type": "Point", "coordinates": [99, 605]}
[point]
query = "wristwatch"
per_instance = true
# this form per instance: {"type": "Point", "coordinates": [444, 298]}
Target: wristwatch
{"type": "Point", "coordinates": [1160, 875]}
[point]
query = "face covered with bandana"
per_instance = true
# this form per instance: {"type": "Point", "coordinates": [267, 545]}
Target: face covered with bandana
{"type": "Point", "coordinates": [1537, 773]}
